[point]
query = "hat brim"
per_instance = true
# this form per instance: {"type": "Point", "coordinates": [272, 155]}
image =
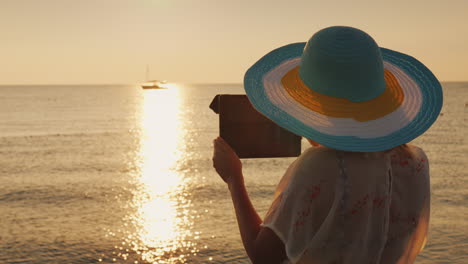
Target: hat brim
{"type": "Point", "coordinates": [420, 108]}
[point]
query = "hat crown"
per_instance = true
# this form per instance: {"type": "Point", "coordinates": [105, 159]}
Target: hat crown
{"type": "Point", "coordinates": [343, 62]}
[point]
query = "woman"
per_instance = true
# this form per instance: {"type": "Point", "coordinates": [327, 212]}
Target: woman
{"type": "Point", "coordinates": [362, 195]}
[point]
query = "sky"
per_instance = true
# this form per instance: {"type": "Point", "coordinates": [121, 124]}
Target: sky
{"type": "Point", "coordinates": [208, 41]}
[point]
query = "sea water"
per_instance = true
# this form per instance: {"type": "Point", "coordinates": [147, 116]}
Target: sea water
{"type": "Point", "coordinates": [118, 174]}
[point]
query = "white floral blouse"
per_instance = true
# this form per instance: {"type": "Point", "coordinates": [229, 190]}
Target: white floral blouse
{"type": "Point", "coordinates": [343, 207]}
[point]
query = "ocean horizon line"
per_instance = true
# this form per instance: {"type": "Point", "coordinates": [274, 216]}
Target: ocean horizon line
{"type": "Point", "coordinates": [116, 84]}
{"type": "Point", "coordinates": [138, 84]}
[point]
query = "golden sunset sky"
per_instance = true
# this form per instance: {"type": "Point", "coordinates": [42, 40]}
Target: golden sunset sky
{"type": "Point", "coordinates": [208, 41]}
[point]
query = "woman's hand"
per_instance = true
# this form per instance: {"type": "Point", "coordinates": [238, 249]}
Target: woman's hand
{"type": "Point", "coordinates": [226, 162]}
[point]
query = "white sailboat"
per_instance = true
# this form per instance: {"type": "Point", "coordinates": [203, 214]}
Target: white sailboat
{"type": "Point", "coordinates": [152, 84]}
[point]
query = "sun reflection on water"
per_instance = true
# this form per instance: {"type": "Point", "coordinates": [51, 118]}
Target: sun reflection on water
{"type": "Point", "coordinates": [161, 205]}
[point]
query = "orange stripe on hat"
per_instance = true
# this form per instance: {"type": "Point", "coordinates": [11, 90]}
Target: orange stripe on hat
{"type": "Point", "coordinates": [387, 102]}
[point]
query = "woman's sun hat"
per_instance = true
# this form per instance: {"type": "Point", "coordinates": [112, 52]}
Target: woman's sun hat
{"type": "Point", "coordinates": [343, 91]}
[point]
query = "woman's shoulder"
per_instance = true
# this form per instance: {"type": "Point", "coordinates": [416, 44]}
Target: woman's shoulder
{"type": "Point", "coordinates": [416, 149]}
{"type": "Point", "coordinates": [318, 154]}
{"type": "Point", "coordinates": [316, 166]}
{"type": "Point", "coordinates": [413, 150]}
{"type": "Point", "coordinates": [318, 159]}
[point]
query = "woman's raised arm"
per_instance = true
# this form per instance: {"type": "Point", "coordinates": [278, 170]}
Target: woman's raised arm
{"type": "Point", "coordinates": [261, 244]}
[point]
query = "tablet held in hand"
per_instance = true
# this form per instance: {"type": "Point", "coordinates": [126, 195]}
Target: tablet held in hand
{"type": "Point", "coordinates": [251, 134]}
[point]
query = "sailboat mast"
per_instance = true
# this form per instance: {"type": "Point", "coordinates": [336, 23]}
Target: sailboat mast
{"type": "Point", "coordinates": [147, 72]}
